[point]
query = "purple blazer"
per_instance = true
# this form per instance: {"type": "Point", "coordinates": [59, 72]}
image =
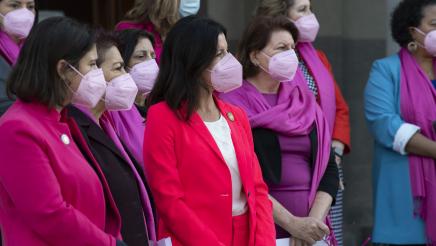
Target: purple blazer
{"type": "Point", "coordinates": [49, 194]}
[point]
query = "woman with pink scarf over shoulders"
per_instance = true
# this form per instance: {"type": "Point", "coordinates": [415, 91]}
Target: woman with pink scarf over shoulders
{"type": "Point", "coordinates": [16, 18]}
{"type": "Point", "coordinates": [291, 134]}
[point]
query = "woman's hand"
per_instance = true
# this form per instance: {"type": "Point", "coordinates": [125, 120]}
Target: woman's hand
{"type": "Point", "coordinates": [307, 229]}
{"type": "Point", "coordinates": [299, 242]}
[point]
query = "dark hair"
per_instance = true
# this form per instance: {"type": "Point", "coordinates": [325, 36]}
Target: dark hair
{"type": "Point", "coordinates": [35, 76]}
{"type": "Point", "coordinates": [188, 51]}
{"type": "Point", "coordinates": [104, 40]}
{"type": "Point", "coordinates": [257, 35]}
{"type": "Point", "coordinates": [409, 13]}
{"type": "Point", "coordinates": [128, 39]}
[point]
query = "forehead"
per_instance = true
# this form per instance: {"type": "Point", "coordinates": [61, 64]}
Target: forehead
{"type": "Point", "coordinates": [281, 36]}
{"type": "Point", "coordinates": [91, 54]}
{"type": "Point", "coordinates": [429, 12]}
{"type": "Point", "coordinates": [298, 3]}
{"type": "Point", "coordinates": [222, 42]}
{"type": "Point", "coordinates": [112, 55]}
{"type": "Point", "coordinates": [143, 43]}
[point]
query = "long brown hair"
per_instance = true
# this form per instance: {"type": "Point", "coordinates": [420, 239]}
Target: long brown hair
{"type": "Point", "coordinates": [162, 13]}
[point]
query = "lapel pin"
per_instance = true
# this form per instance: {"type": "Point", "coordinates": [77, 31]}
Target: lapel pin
{"type": "Point", "coordinates": [230, 116]}
{"type": "Point", "coordinates": [65, 139]}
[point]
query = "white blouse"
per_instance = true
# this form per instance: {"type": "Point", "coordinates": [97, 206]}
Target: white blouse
{"type": "Point", "coordinates": [221, 133]}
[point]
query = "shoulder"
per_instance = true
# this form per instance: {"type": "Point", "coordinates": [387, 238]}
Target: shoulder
{"type": "Point", "coordinates": [238, 97]}
{"type": "Point", "coordinates": [160, 108]}
{"type": "Point", "coordinates": [238, 113]}
{"type": "Point", "coordinates": [160, 115]}
{"type": "Point", "coordinates": [19, 122]}
{"type": "Point", "coordinates": [125, 24]}
{"type": "Point", "coordinates": [390, 63]}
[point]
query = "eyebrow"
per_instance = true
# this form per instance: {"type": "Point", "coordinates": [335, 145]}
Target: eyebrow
{"type": "Point", "coordinates": [283, 43]}
{"type": "Point", "coordinates": [143, 51]}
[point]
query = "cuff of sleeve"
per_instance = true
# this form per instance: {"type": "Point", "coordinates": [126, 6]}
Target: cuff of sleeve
{"type": "Point", "coordinates": [402, 137]}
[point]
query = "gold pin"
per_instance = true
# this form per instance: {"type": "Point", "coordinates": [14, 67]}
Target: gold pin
{"type": "Point", "coordinates": [230, 116]}
{"type": "Point", "coordinates": [65, 139]}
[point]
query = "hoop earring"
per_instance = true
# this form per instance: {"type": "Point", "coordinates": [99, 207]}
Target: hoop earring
{"type": "Point", "coordinates": [412, 46]}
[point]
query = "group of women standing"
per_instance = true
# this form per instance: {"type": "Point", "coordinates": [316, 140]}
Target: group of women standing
{"type": "Point", "coordinates": [156, 131]}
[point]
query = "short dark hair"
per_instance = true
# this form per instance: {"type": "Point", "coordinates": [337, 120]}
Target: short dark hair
{"type": "Point", "coordinates": [188, 51]}
{"type": "Point", "coordinates": [128, 39]}
{"type": "Point", "coordinates": [35, 76]}
{"type": "Point", "coordinates": [409, 13]}
{"type": "Point", "coordinates": [257, 35]}
{"type": "Point", "coordinates": [104, 40]}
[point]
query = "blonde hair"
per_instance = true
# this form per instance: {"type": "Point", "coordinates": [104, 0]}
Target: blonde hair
{"type": "Point", "coordinates": [162, 13]}
{"type": "Point", "coordinates": [274, 8]}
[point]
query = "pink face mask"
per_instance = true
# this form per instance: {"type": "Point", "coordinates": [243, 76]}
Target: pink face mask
{"type": "Point", "coordinates": [144, 74]}
{"type": "Point", "coordinates": [120, 93]}
{"type": "Point", "coordinates": [226, 74]}
{"type": "Point", "coordinates": [282, 66]}
{"type": "Point", "coordinates": [91, 89]}
{"type": "Point", "coordinates": [18, 22]}
{"type": "Point", "coordinates": [308, 28]}
{"type": "Point", "coordinates": [429, 41]}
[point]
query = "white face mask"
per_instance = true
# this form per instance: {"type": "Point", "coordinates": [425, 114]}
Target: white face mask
{"type": "Point", "coordinates": [189, 7]}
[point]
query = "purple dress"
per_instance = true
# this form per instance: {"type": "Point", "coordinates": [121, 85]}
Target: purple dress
{"type": "Point", "coordinates": [293, 190]}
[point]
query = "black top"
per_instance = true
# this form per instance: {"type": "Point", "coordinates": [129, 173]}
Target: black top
{"type": "Point", "coordinates": [142, 110]}
{"type": "Point", "coordinates": [120, 178]}
{"type": "Point", "coordinates": [268, 151]}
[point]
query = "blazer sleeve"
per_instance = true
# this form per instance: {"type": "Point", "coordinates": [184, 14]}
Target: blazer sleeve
{"type": "Point", "coordinates": [380, 105]}
{"type": "Point", "coordinates": [265, 229]}
{"type": "Point", "coordinates": [341, 130]}
{"type": "Point", "coordinates": [160, 165]}
{"type": "Point", "coordinates": [37, 196]}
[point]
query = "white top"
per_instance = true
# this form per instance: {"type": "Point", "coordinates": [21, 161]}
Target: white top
{"type": "Point", "coordinates": [220, 131]}
{"type": "Point", "coordinates": [402, 137]}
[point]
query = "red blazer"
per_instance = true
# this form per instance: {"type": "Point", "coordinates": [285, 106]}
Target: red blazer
{"type": "Point", "coordinates": [49, 194]}
{"type": "Point", "coordinates": [191, 183]}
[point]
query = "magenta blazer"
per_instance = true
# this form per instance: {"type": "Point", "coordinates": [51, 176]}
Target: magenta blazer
{"type": "Point", "coordinates": [49, 194]}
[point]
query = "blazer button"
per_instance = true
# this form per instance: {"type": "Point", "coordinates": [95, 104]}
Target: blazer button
{"type": "Point", "coordinates": [248, 194]}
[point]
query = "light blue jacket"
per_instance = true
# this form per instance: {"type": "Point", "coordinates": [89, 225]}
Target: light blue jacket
{"type": "Point", "coordinates": [394, 221]}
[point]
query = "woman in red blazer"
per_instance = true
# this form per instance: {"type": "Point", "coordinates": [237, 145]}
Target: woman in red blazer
{"type": "Point", "coordinates": [198, 151]}
{"type": "Point", "coordinates": [49, 193]}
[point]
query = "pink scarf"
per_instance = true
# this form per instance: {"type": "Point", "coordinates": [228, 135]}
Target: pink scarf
{"type": "Point", "coordinates": [149, 27]}
{"type": "Point", "coordinates": [323, 78]}
{"type": "Point", "coordinates": [130, 126]}
{"type": "Point", "coordinates": [8, 48]}
{"type": "Point", "coordinates": [296, 114]}
{"type": "Point", "coordinates": [108, 127]}
{"type": "Point", "coordinates": [418, 104]}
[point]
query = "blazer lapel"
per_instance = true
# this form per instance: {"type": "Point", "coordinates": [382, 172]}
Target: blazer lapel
{"type": "Point", "coordinates": [114, 217]}
{"type": "Point", "coordinates": [93, 130]}
{"type": "Point", "coordinates": [197, 124]}
{"type": "Point", "coordinates": [239, 141]}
